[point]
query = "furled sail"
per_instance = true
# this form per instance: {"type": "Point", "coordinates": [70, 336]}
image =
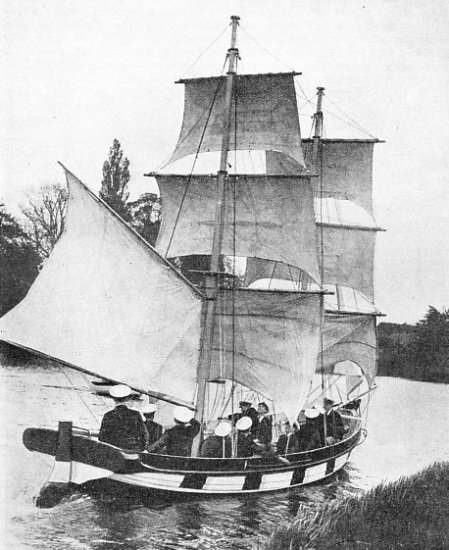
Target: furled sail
{"type": "Point", "coordinates": [107, 303]}
{"type": "Point", "coordinates": [268, 341]}
{"type": "Point", "coordinates": [258, 269]}
{"type": "Point", "coordinates": [265, 217]}
{"type": "Point", "coordinates": [263, 111]}
{"type": "Point", "coordinates": [349, 338]}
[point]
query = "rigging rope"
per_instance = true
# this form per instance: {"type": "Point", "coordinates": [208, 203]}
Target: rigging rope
{"type": "Point", "coordinates": [348, 120]}
{"type": "Point", "coordinates": [206, 50]}
{"type": "Point", "coordinates": [354, 123]}
{"type": "Point", "coordinates": [265, 50]}
{"type": "Point", "coordinates": [65, 373]}
{"type": "Point", "coordinates": [193, 167]}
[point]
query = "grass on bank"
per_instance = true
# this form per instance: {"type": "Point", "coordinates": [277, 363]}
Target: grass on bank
{"type": "Point", "coordinates": [410, 513]}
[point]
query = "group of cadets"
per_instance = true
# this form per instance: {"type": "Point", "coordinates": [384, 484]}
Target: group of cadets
{"type": "Point", "coordinates": [252, 433]}
{"type": "Point", "coordinates": [125, 428]}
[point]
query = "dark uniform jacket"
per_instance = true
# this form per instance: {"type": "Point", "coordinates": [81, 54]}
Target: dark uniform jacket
{"type": "Point", "coordinates": [287, 444]}
{"type": "Point", "coordinates": [123, 428]}
{"type": "Point", "coordinates": [253, 414]}
{"type": "Point", "coordinates": [334, 426]}
{"type": "Point", "coordinates": [264, 432]}
{"type": "Point", "coordinates": [245, 445]}
{"type": "Point", "coordinates": [309, 437]}
{"type": "Point", "coordinates": [154, 431]}
{"type": "Point", "coordinates": [177, 441]}
{"type": "Point", "coordinates": [213, 447]}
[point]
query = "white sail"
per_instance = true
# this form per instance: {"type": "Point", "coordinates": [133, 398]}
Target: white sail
{"type": "Point", "coordinates": [346, 170]}
{"type": "Point", "coordinates": [349, 338]}
{"type": "Point", "coordinates": [106, 302]}
{"type": "Point", "coordinates": [258, 269]}
{"type": "Point", "coordinates": [269, 217]}
{"type": "Point", "coordinates": [349, 258]}
{"type": "Point", "coordinates": [268, 341]}
{"type": "Point", "coordinates": [263, 108]}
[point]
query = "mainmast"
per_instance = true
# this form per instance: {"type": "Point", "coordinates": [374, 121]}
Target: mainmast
{"type": "Point", "coordinates": [212, 278]}
{"type": "Point", "coordinates": [317, 160]}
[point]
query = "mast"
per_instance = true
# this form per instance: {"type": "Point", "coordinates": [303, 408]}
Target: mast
{"type": "Point", "coordinates": [212, 278]}
{"type": "Point", "coordinates": [317, 160]}
{"type": "Point", "coordinates": [318, 116]}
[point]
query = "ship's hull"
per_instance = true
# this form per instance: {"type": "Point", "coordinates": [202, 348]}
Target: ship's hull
{"type": "Point", "coordinates": [80, 459]}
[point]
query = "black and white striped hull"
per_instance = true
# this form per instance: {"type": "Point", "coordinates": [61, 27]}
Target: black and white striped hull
{"type": "Point", "coordinates": [86, 459]}
{"type": "Point", "coordinates": [251, 482]}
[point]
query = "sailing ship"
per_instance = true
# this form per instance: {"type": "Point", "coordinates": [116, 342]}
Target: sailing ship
{"type": "Point", "coordinates": [260, 287]}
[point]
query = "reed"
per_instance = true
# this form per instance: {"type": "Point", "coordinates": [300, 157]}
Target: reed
{"type": "Point", "coordinates": [410, 513]}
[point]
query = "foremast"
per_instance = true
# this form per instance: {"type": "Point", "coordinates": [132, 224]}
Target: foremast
{"type": "Point", "coordinates": [212, 277]}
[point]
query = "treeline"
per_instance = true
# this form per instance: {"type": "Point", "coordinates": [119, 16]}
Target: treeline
{"type": "Point", "coordinates": [417, 352]}
{"type": "Point", "coordinates": [26, 243]}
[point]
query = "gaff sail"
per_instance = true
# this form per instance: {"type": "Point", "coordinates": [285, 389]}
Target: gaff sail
{"type": "Point", "coordinates": [107, 303]}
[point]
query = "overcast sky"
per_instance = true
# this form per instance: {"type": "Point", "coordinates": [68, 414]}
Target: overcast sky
{"type": "Point", "coordinates": [78, 73]}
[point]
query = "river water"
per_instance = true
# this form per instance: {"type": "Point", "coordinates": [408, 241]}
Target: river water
{"type": "Point", "coordinates": [407, 430]}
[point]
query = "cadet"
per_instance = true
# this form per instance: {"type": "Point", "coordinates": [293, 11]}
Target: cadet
{"type": "Point", "coordinates": [154, 429]}
{"type": "Point", "coordinates": [177, 441]}
{"type": "Point", "coordinates": [123, 427]}
{"type": "Point", "coordinates": [309, 436]}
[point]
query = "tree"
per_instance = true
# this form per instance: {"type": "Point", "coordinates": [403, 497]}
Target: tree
{"type": "Point", "coordinates": [114, 185]}
{"type": "Point", "coordinates": [419, 352]}
{"type": "Point", "coordinates": [46, 215]}
{"type": "Point", "coordinates": [19, 262]}
{"type": "Point", "coordinates": [145, 216]}
{"type": "Point", "coordinates": [428, 353]}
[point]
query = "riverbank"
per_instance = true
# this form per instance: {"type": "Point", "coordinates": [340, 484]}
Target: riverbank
{"type": "Point", "coordinates": [410, 513]}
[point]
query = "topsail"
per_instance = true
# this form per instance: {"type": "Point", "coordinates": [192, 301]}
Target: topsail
{"type": "Point", "coordinates": [263, 111]}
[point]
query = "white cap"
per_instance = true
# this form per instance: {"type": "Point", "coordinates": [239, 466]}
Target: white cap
{"type": "Point", "coordinates": [149, 408]}
{"type": "Point", "coordinates": [311, 413]}
{"type": "Point", "coordinates": [244, 423]}
{"type": "Point", "coordinates": [120, 391]}
{"type": "Point", "coordinates": [182, 414]}
{"type": "Point", "coordinates": [223, 429]}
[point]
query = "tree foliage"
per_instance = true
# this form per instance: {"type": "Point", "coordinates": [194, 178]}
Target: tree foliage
{"type": "Point", "coordinates": [145, 216]}
{"type": "Point", "coordinates": [114, 186]}
{"type": "Point", "coordinates": [419, 352]}
{"type": "Point", "coordinates": [429, 350]}
{"type": "Point", "coordinates": [19, 262]}
{"type": "Point", "coordinates": [45, 213]}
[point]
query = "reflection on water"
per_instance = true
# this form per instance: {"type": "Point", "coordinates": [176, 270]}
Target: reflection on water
{"type": "Point", "coordinates": [115, 517]}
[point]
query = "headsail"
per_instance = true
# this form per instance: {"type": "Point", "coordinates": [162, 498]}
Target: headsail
{"type": "Point", "coordinates": [106, 302]}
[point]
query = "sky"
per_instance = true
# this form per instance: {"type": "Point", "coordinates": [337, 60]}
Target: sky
{"type": "Point", "coordinates": [77, 74]}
